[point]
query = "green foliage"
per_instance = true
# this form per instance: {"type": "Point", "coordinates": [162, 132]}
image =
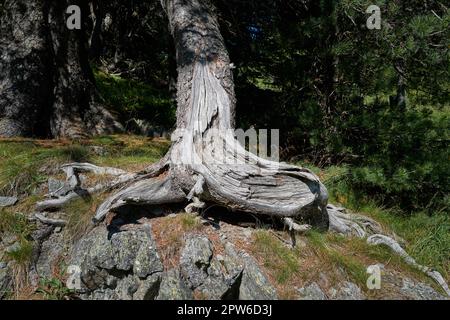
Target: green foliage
{"type": "Point", "coordinates": [53, 289]}
{"type": "Point", "coordinates": [17, 224]}
{"type": "Point", "coordinates": [427, 236]}
{"type": "Point", "coordinates": [134, 99]}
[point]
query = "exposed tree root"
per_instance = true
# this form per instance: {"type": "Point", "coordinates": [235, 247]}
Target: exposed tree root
{"type": "Point", "coordinates": [364, 227]}
{"type": "Point", "coordinates": [378, 239]}
{"type": "Point", "coordinates": [51, 222]}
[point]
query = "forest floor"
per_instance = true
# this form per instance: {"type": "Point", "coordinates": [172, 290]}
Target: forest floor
{"type": "Point", "coordinates": [324, 258]}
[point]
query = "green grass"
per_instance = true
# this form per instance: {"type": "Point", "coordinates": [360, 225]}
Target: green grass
{"type": "Point", "coordinates": [334, 255]}
{"type": "Point", "coordinates": [282, 261]}
{"type": "Point", "coordinates": [427, 236]}
{"type": "Point", "coordinates": [190, 221]}
{"type": "Point", "coordinates": [16, 224]}
{"type": "Point", "coordinates": [53, 289]}
{"type": "Point", "coordinates": [24, 163]}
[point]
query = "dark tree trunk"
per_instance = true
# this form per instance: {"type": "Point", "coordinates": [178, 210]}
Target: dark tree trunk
{"type": "Point", "coordinates": [46, 84]}
{"type": "Point", "coordinates": [25, 61]}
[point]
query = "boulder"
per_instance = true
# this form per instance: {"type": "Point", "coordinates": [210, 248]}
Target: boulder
{"type": "Point", "coordinates": [195, 260]}
{"type": "Point", "coordinates": [311, 292]}
{"type": "Point", "coordinates": [346, 291]}
{"type": "Point", "coordinates": [173, 287]}
{"type": "Point", "coordinates": [8, 201]}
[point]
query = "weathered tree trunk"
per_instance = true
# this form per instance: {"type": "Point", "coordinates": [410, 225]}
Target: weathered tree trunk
{"type": "Point", "coordinates": [205, 163]}
{"type": "Point", "coordinates": [46, 84]}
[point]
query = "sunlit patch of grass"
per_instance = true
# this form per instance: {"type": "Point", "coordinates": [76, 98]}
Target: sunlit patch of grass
{"type": "Point", "coordinates": [337, 258]}
{"type": "Point", "coordinates": [280, 260]}
{"type": "Point", "coordinates": [15, 223]}
{"type": "Point", "coordinates": [25, 163]}
{"type": "Point", "coordinates": [53, 289]}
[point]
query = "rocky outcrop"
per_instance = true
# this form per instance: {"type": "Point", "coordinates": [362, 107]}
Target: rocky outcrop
{"type": "Point", "coordinates": [126, 265]}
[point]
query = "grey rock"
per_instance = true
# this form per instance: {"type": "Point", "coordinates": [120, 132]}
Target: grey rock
{"type": "Point", "coordinates": [224, 276]}
{"type": "Point", "coordinates": [126, 266]}
{"type": "Point", "coordinates": [148, 288]}
{"type": "Point", "coordinates": [311, 292]}
{"type": "Point", "coordinates": [419, 291]}
{"type": "Point", "coordinates": [147, 260]}
{"type": "Point", "coordinates": [102, 294]}
{"type": "Point", "coordinates": [125, 246]}
{"type": "Point", "coordinates": [346, 291]}
{"type": "Point", "coordinates": [254, 284]}
{"type": "Point", "coordinates": [3, 265]}
{"type": "Point", "coordinates": [8, 201]}
{"type": "Point", "coordinates": [5, 282]}
{"type": "Point", "coordinates": [195, 260]}
{"type": "Point", "coordinates": [126, 287]}
{"type": "Point", "coordinates": [13, 248]}
{"type": "Point", "coordinates": [50, 251]}
{"type": "Point", "coordinates": [173, 287]}
{"type": "Point", "coordinates": [57, 187]}
{"type": "Point", "coordinates": [101, 252]}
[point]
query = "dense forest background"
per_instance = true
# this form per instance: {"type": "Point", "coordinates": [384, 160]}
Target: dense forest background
{"type": "Point", "coordinates": [372, 104]}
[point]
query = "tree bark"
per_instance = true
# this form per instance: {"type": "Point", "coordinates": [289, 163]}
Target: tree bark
{"type": "Point", "coordinates": [46, 84]}
{"type": "Point", "coordinates": [25, 83]}
{"type": "Point", "coordinates": [205, 163]}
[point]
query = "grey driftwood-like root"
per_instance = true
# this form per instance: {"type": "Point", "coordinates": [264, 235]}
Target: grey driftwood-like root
{"type": "Point", "coordinates": [349, 224]}
{"type": "Point", "coordinates": [72, 171]}
{"type": "Point", "coordinates": [379, 239]}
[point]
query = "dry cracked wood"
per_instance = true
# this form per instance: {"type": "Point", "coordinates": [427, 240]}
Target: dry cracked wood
{"type": "Point", "coordinates": [205, 163]}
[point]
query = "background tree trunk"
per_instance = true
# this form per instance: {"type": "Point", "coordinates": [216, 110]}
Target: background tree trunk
{"type": "Point", "coordinates": [25, 61]}
{"type": "Point", "coordinates": [46, 84]}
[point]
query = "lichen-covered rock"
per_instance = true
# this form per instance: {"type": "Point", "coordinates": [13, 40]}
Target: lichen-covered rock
{"type": "Point", "coordinates": [195, 260]}
{"type": "Point", "coordinates": [126, 287]}
{"type": "Point", "coordinates": [8, 201]}
{"type": "Point", "coordinates": [125, 266]}
{"type": "Point", "coordinates": [126, 246]}
{"type": "Point", "coordinates": [173, 287]}
{"type": "Point", "coordinates": [311, 292]}
{"type": "Point", "coordinates": [50, 252]}
{"type": "Point", "coordinates": [148, 288]}
{"type": "Point", "coordinates": [224, 276]}
{"type": "Point", "coordinates": [254, 284]}
{"type": "Point", "coordinates": [5, 281]}
{"type": "Point", "coordinates": [57, 187]}
{"type": "Point", "coordinates": [419, 291]}
{"type": "Point", "coordinates": [346, 291]}
{"type": "Point", "coordinates": [147, 260]}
